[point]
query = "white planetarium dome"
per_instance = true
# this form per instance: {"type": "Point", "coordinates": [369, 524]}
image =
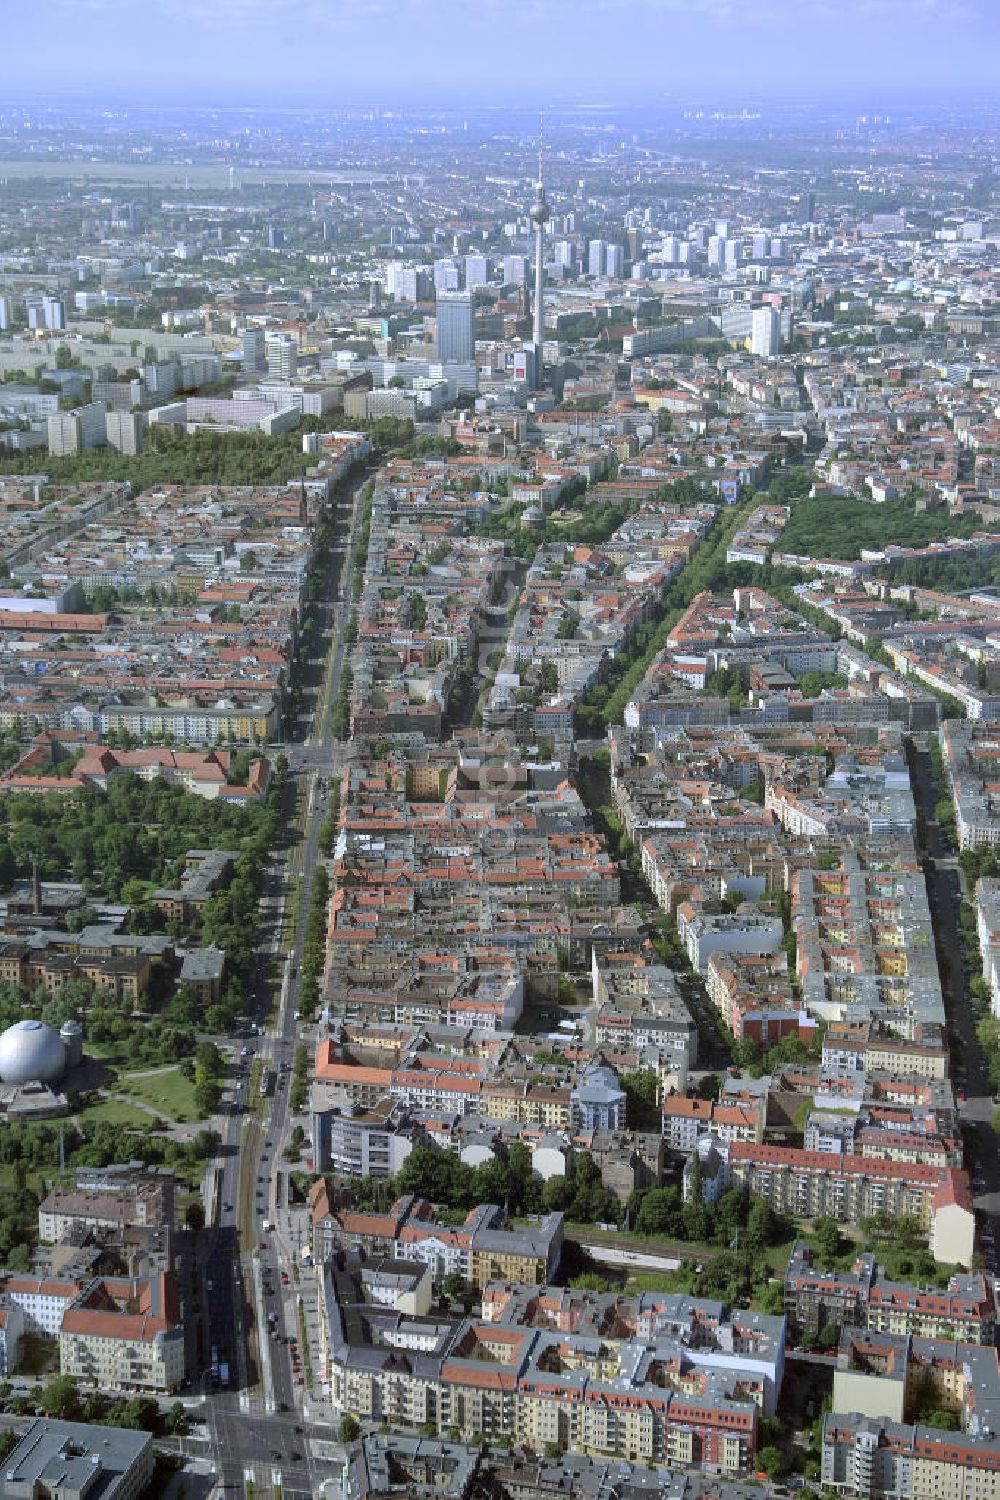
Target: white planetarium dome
{"type": "Point", "coordinates": [31, 1052]}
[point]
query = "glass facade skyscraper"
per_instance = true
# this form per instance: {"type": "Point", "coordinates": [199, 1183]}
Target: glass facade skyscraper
{"type": "Point", "coordinates": [455, 339]}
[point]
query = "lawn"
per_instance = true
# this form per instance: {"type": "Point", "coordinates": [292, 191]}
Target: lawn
{"type": "Point", "coordinates": [117, 1112]}
{"type": "Point", "coordinates": [169, 1093]}
{"type": "Point", "coordinates": [36, 1177]}
{"type": "Point", "coordinates": [255, 1103]}
{"type": "Point", "coordinates": [652, 1281]}
{"type": "Point", "coordinates": [108, 1051]}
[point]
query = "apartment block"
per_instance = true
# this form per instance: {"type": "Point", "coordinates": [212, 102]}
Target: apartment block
{"type": "Point", "coordinates": [810, 1184]}
{"type": "Point", "coordinates": [864, 941]}
{"type": "Point", "coordinates": [124, 1335]}
{"type": "Point", "coordinates": [480, 1249]}
{"type": "Point", "coordinates": [863, 1297]}
{"type": "Point", "coordinates": [654, 1379]}
{"type": "Point", "coordinates": [971, 754]}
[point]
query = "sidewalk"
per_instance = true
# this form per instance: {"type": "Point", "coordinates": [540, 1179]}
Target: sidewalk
{"type": "Point", "coordinates": [291, 1236]}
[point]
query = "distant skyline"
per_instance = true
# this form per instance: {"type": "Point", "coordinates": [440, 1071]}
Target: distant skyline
{"type": "Point", "coordinates": [426, 52]}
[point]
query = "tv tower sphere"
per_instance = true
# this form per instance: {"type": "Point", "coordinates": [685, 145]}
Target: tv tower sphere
{"type": "Point", "coordinates": [539, 209]}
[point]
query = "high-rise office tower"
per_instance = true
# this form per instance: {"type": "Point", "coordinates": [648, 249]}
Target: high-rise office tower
{"type": "Point", "coordinates": [595, 258]}
{"type": "Point", "coordinates": [526, 365]}
{"type": "Point", "coordinates": [565, 254]}
{"type": "Point", "coordinates": [445, 276]}
{"type": "Point", "coordinates": [539, 217]}
{"type": "Point", "coordinates": [477, 272]}
{"type": "Point", "coordinates": [515, 270]}
{"type": "Point", "coordinates": [614, 262]}
{"type": "Point", "coordinates": [54, 312]}
{"type": "Point", "coordinates": [126, 430]}
{"type": "Point", "coordinates": [765, 332]}
{"type": "Point", "coordinates": [254, 351]}
{"type": "Point", "coordinates": [455, 338]}
{"type": "Point", "coordinates": [407, 283]}
{"type": "Point", "coordinates": [400, 281]}
{"type": "Point", "coordinates": [282, 356]}
{"type": "Point", "coordinates": [71, 432]}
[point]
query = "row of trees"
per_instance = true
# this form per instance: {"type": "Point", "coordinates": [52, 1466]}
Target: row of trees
{"type": "Point", "coordinates": [359, 548]}
{"type": "Point", "coordinates": [734, 1220]}
{"type": "Point", "coordinates": [340, 713]}
{"type": "Point", "coordinates": [314, 943]}
{"type": "Point", "coordinates": [299, 1087]}
{"type": "Point", "coordinates": [324, 566]}
{"type": "Point", "coordinates": [208, 1069]}
{"type": "Point", "coordinates": [328, 827]}
{"type": "Point", "coordinates": [605, 703]}
{"type": "Point", "coordinates": [62, 1398]}
{"type": "Point", "coordinates": [988, 1031]}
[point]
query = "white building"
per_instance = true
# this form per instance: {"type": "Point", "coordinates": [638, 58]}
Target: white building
{"type": "Point", "coordinates": [477, 271]}
{"type": "Point", "coordinates": [765, 332]}
{"type": "Point", "coordinates": [282, 354]}
{"type": "Point", "coordinates": [71, 432]}
{"type": "Point", "coordinates": [446, 277]}
{"type": "Point", "coordinates": [11, 1334]}
{"type": "Point", "coordinates": [515, 270]}
{"type": "Point", "coordinates": [41, 1303]}
{"type": "Point", "coordinates": [126, 430]}
{"type": "Point", "coordinates": [704, 933]}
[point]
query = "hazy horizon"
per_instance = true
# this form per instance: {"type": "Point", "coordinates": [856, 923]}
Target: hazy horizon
{"type": "Point", "coordinates": [426, 53]}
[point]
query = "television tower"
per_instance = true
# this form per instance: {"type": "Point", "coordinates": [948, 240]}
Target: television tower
{"type": "Point", "coordinates": [539, 217]}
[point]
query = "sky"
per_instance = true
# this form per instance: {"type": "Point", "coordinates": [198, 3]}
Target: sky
{"type": "Point", "coordinates": [493, 52]}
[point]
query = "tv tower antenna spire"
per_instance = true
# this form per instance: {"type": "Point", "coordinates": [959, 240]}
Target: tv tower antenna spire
{"type": "Point", "coordinates": [539, 217]}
